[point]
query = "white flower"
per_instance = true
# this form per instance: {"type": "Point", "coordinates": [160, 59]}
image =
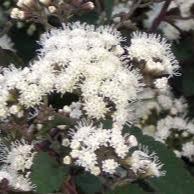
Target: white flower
{"type": "Point", "coordinates": [165, 101]}
{"type": "Point", "coordinates": [31, 95]}
{"type": "Point", "coordinates": [155, 51]}
{"type": "Point", "coordinates": [109, 166]}
{"type": "Point", "coordinates": [95, 170]}
{"type": "Point", "coordinates": [16, 180]}
{"type": "Point", "coordinates": [89, 62]}
{"type": "Point", "coordinates": [19, 157]}
{"type": "Point", "coordinates": [89, 143]}
{"type": "Point", "coordinates": [77, 58]}
{"type": "Point", "coordinates": [5, 175]}
{"type": "Point", "coordinates": [65, 142]}
{"type": "Point", "coordinates": [87, 159]}
{"type": "Point", "coordinates": [132, 140]}
{"type": "Point", "coordinates": [24, 184]}
{"type": "Point", "coordinates": [188, 150]}
{"type": "Point", "coordinates": [95, 107]}
{"type": "Point", "coordinates": [147, 164]}
{"type": "Point", "coordinates": [162, 84]}
{"type": "Point", "coordinates": [67, 160]}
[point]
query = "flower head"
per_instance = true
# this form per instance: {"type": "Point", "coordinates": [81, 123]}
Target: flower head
{"type": "Point", "coordinates": [155, 52]}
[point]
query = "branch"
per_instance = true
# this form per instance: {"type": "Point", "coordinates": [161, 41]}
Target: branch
{"type": "Point", "coordinates": [160, 17]}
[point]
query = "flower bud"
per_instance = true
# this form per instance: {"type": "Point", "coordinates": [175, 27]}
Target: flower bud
{"type": "Point", "coordinates": [132, 141]}
{"type": "Point", "coordinates": [14, 109]}
{"type": "Point", "coordinates": [65, 142]}
{"type": "Point", "coordinates": [67, 160]}
{"type": "Point", "coordinates": [75, 153]}
{"type": "Point", "coordinates": [88, 6]}
{"type": "Point", "coordinates": [95, 170]}
{"type": "Point", "coordinates": [17, 14]}
{"type": "Point", "coordinates": [52, 9]}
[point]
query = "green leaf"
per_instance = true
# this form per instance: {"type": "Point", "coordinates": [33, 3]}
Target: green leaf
{"type": "Point", "coordinates": [128, 189]}
{"type": "Point", "coordinates": [107, 124]}
{"type": "Point", "coordinates": [46, 174]}
{"type": "Point", "coordinates": [177, 179]}
{"type": "Point", "coordinates": [108, 8]}
{"type": "Point", "coordinates": [88, 183]}
{"type": "Point", "coordinates": [184, 49]}
{"type": "Point", "coordinates": [188, 82]}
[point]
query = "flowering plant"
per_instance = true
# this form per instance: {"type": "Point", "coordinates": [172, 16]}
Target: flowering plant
{"type": "Point", "coordinates": [78, 115]}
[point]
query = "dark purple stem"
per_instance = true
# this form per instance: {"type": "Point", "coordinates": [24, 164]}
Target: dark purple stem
{"type": "Point", "coordinates": [160, 17]}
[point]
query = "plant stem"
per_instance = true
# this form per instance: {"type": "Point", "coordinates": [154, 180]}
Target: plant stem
{"type": "Point", "coordinates": [160, 17]}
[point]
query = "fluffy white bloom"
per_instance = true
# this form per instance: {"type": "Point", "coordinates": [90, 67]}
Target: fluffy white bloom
{"type": "Point", "coordinates": [156, 53]}
{"type": "Point", "coordinates": [15, 180]}
{"type": "Point", "coordinates": [88, 143]}
{"type": "Point", "coordinates": [95, 170]}
{"type": "Point", "coordinates": [77, 58]}
{"type": "Point", "coordinates": [6, 43]}
{"type": "Point", "coordinates": [22, 183]}
{"type": "Point", "coordinates": [95, 107]}
{"type": "Point", "coordinates": [95, 68]}
{"type": "Point", "coordinates": [109, 166]}
{"type": "Point", "coordinates": [188, 150]}
{"type": "Point", "coordinates": [147, 164]}
{"type": "Point", "coordinates": [87, 159]}
{"type": "Point", "coordinates": [31, 95]}
{"type": "Point", "coordinates": [121, 8]}
{"type": "Point", "coordinates": [162, 84]}
{"type": "Point", "coordinates": [165, 101]}
{"type": "Point", "coordinates": [166, 125]}
{"type": "Point", "coordinates": [19, 157]}
{"type": "Point", "coordinates": [67, 160]}
{"type": "Point", "coordinates": [5, 175]}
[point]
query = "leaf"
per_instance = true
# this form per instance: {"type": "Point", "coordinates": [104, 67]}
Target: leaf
{"type": "Point", "coordinates": [188, 82]}
{"type": "Point", "coordinates": [46, 174]}
{"type": "Point", "coordinates": [108, 8]}
{"type": "Point", "coordinates": [177, 179]}
{"type": "Point", "coordinates": [184, 49]}
{"type": "Point", "coordinates": [107, 124]}
{"type": "Point", "coordinates": [128, 189]}
{"type": "Point", "coordinates": [88, 183]}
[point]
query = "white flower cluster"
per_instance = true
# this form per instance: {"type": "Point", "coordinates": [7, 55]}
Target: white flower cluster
{"type": "Point", "coordinates": [188, 150]}
{"type": "Point", "coordinates": [74, 110]}
{"type": "Point", "coordinates": [90, 62]}
{"type": "Point", "coordinates": [100, 150]}
{"type": "Point", "coordinates": [77, 58]}
{"type": "Point", "coordinates": [16, 181]}
{"type": "Point", "coordinates": [120, 8]}
{"type": "Point", "coordinates": [89, 145]}
{"type": "Point", "coordinates": [17, 161]}
{"type": "Point", "coordinates": [170, 119]}
{"type": "Point", "coordinates": [146, 164]}
{"type": "Point", "coordinates": [155, 52]}
{"type": "Point", "coordinates": [169, 30]}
